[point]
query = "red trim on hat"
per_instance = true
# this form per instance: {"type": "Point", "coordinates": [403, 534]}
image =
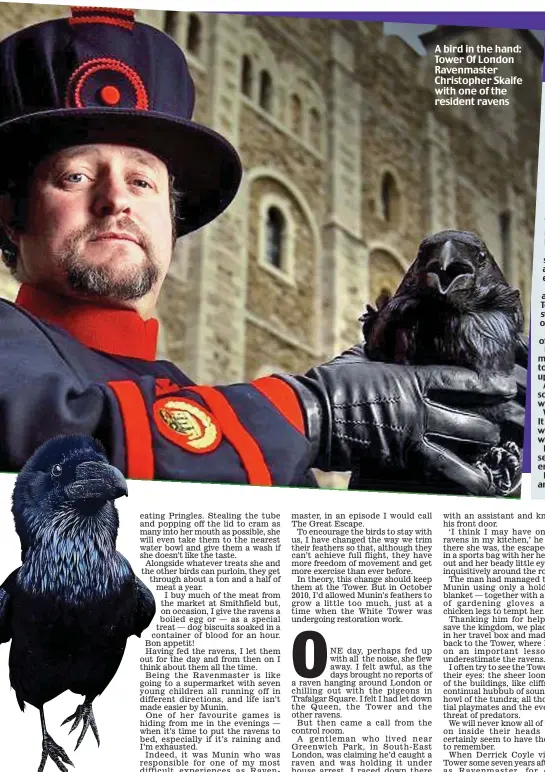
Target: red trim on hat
{"type": "Point", "coordinates": [246, 446]}
{"type": "Point", "coordinates": [102, 20]}
{"type": "Point", "coordinates": [283, 398]}
{"type": "Point", "coordinates": [90, 67]}
{"type": "Point", "coordinates": [77, 9]}
{"type": "Point", "coordinates": [138, 442]}
{"type": "Point", "coordinates": [87, 14]}
{"type": "Point", "coordinates": [117, 331]}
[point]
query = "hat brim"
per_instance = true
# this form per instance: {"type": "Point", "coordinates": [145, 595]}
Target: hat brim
{"type": "Point", "coordinates": [205, 166]}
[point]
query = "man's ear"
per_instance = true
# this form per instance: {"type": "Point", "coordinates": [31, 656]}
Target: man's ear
{"type": "Point", "coordinates": [8, 221]}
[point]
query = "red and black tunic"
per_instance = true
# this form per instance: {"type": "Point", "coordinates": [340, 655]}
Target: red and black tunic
{"type": "Point", "coordinates": [69, 367]}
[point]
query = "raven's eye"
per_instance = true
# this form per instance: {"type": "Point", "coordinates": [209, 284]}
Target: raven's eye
{"type": "Point", "coordinates": [56, 471]}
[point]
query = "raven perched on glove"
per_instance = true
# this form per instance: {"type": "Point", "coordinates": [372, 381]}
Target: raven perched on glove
{"type": "Point", "coordinates": [453, 307]}
{"type": "Point", "coordinates": [73, 603]}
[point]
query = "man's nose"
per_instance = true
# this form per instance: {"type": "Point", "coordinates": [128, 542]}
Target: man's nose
{"type": "Point", "coordinates": [111, 197]}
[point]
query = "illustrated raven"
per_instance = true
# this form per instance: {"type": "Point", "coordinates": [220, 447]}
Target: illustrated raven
{"type": "Point", "coordinates": [453, 307]}
{"type": "Point", "coordinates": [74, 601]}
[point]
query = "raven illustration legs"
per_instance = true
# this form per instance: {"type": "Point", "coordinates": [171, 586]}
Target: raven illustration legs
{"type": "Point", "coordinates": [51, 749]}
{"type": "Point", "coordinates": [83, 712]}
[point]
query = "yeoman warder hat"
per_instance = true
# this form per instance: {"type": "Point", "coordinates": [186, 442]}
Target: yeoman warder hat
{"type": "Point", "coordinates": [100, 76]}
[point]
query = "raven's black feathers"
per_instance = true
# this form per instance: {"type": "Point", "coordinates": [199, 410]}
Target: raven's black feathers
{"type": "Point", "coordinates": [38, 491]}
{"type": "Point", "coordinates": [75, 600]}
{"type": "Point", "coordinates": [453, 307]}
{"type": "Point", "coordinates": [6, 591]}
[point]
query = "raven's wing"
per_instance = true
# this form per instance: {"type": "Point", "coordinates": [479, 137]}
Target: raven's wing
{"type": "Point", "coordinates": [6, 595]}
{"type": "Point", "coordinates": [145, 607]}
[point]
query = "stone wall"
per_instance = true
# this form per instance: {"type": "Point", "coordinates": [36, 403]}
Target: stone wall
{"type": "Point", "coordinates": [349, 106]}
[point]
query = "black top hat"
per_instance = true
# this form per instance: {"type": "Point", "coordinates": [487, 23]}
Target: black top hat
{"type": "Point", "coordinates": [99, 76]}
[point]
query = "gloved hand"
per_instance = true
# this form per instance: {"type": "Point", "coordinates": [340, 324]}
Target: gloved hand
{"type": "Point", "coordinates": [510, 415]}
{"type": "Point", "coordinates": [401, 415]}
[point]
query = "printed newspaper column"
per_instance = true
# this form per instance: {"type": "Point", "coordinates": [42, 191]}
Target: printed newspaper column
{"type": "Point", "coordinates": [209, 674]}
{"type": "Point", "coordinates": [493, 636]}
{"type": "Point", "coordinates": [538, 331]}
{"type": "Point", "coordinates": [362, 625]}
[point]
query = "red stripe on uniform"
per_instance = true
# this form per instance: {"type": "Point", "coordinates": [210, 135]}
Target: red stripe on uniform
{"type": "Point", "coordinates": [240, 438]}
{"type": "Point", "coordinates": [283, 398]}
{"type": "Point", "coordinates": [138, 441]}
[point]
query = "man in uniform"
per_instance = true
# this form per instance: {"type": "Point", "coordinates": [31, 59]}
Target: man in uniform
{"type": "Point", "coordinates": [102, 169]}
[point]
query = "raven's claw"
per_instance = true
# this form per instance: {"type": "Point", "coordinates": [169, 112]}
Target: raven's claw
{"type": "Point", "coordinates": [54, 752]}
{"type": "Point", "coordinates": [83, 712]}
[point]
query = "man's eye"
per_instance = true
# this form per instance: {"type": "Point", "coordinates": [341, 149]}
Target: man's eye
{"type": "Point", "coordinates": [75, 177]}
{"type": "Point", "coordinates": [141, 183]}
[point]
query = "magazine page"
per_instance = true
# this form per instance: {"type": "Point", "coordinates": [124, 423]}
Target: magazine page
{"type": "Point", "coordinates": [250, 261]}
{"type": "Point", "coordinates": [424, 621]}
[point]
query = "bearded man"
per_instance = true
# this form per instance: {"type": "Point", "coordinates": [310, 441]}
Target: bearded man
{"type": "Point", "coordinates": [102, 170]}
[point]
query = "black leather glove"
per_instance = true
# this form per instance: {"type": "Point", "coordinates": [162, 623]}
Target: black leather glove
{"type": "Point", "coordinates": [401, 415]}
{"type": "Point", "coordinates": [510, 415]}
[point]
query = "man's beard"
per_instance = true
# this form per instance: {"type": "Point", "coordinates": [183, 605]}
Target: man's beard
{"type": "Point", "coordinates": [129, 283]}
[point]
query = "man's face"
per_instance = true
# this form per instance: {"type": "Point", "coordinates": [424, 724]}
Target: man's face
{"type": "Point", "coordinates": [98, 225]}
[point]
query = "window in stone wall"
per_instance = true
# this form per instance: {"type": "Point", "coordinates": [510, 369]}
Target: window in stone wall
{"type": "Point", "coordinates": [275, 235]}
{"type": "Point", "coordinates": [296, 114]}
{"type": "Point", "coordinates": [315, 129]}
{"type": "Point", "coordinates": [194, 35]}
{"type": "Point", "coordinates": [247, 76]}
{"type": "Point", "coordinates": [505, 237]}
{"type": "Point", "coordinates": [170, 23]}
{"type": "Point", "coordinates": [390, 199]}
{"type": "Point", "coordinates": [385, 274]}
{"type": "Point", "coordinates": [265, 91]}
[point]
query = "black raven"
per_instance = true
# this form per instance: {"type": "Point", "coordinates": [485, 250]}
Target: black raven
{"type": "Point", "coordinates": [453, 307]}
{"type": "Point", "coordinates": [75, 600]}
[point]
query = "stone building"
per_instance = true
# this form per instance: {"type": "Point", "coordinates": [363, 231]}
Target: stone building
{"type": "Point", "coordinates": [347, 166]}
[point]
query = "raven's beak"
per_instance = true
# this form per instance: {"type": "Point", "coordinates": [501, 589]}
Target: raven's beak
{"type": "Point", "coordinates": [448, 270]}
{"type": "Point", "coordinates": [96, 480]}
